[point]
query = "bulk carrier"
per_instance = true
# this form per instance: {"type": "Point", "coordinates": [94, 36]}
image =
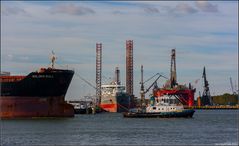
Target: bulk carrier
{"type": "Point", "coordinates": [39, 94]}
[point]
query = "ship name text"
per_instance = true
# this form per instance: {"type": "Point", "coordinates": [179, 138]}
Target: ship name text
{"type": "Point", "coordinates": [42, 76]}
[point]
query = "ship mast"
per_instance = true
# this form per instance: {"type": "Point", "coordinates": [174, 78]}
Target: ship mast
{"type": "Point", "coordinates": [53, 59]}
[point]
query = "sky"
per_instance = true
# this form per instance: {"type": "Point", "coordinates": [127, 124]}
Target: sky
{"type": "Point", "coordinates": [204, 33]}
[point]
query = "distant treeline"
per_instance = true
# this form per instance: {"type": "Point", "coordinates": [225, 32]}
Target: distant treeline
{"type": "Point", "coordinates": [225, 99]}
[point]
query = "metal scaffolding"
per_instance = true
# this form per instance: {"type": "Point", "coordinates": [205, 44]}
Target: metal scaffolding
{"type": "Point", "coordinates": [129, 67]}
{"type": "Point", "coordinates": [98, 71]}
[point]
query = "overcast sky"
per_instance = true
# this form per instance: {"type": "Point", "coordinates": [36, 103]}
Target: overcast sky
{"type": "Point", "coordinates": [203, 33]}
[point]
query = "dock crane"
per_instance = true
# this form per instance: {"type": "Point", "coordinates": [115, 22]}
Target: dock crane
{"type": "Point", "coordinates": [142, 92]}
{"type": "Point", "coordinates": [206, 97]}
{"type": "Point", "coordinates": [233, 92]}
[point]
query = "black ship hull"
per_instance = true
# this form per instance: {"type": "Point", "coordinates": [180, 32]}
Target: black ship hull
{"type": "Point", "coordinates": [39, 94]}
{"type": "Point", "coordinates": [51, 82]}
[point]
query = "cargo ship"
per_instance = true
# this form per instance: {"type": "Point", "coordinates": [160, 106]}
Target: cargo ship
{"type": "Point", "coordinates": [38, 94]}
{"type": "Point", "coordinates": [113, 96]}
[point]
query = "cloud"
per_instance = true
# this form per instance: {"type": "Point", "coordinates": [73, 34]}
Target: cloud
{"type": "Point", "coordinates": [117, 12]}
{"type": "Point", "coordinates": [206, 6]}
{"type": "Point", "coordinates": [151, 10]}
{"type": "Point", "coordinates": [6, 10]}
{"type": "Point", "coordinates": [183, 8]}
{"type": "Point", "coordinates": [203, 40]}
{"type": "Point", "coordinates": [71, 9]}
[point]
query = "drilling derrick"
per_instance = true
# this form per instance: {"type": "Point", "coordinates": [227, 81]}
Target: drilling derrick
{"type": "Point", "coordinates": [98, 71]}
{"type": "Point", "coordinates": [206, 97]}
{"type": "Point", "coordinates": [185, 94]}
{"type": "Point", "coordinates": [129, 67]}
{"type": "Point", "coordinates": [173, 75]}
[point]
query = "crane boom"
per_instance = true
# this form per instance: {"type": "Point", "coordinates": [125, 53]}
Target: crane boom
{"type": "Point", "coordinates": [233, 92]}
{"type": "Point", "coordinates": [78, 75]}
{"type": "Point", "coordinates": [151, 78]}
{"type": "Point", "coordinates": [154, 82]}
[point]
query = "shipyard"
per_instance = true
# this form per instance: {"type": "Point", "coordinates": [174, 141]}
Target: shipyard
{"type": "Point", "coordinates": [119, 73]}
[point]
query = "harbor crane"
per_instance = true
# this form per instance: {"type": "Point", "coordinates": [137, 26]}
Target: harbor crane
{"type": "Point", "coordinates": [206, 97]}
{"type": "Point", "coordinates": [233, 91]}
{"type": "Point", "coordinates": [142, 92]}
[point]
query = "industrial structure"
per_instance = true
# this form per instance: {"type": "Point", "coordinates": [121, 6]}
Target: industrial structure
{"type": "Point", "coordinates": [129, 67]}
{"type": "Point", "coordinates": [183, 93]}
{"type": "Point", "coordinates": [232, 88]}
{"type": "Point", "coordinates": [206, 98]}
{"type": "Point", "coordinates": [98, 71]}
{"type": "Point", "coordinates": [142, 82]}
{"type": "Point", "coordinates": [173, 75]}
{"type": "Point", "coordinates": [142, 93]}
{"type": "Point", "coordinates": [117, 75]}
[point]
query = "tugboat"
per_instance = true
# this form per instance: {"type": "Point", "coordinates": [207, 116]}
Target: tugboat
{"type": "Point", "coordinates": [163, 107]}
{"type": "Point", "coordinates": [79, 107]}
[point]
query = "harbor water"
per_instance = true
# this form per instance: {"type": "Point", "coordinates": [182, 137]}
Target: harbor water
{"type": "Point", "coordinates": [207, 127]}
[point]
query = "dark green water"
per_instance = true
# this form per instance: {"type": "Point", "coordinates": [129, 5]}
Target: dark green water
{"type": "Point", "coordinates": [207, 127]}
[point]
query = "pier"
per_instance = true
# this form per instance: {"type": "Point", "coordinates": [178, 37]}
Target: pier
{"type": "Point", "coordinates": [218, 107]}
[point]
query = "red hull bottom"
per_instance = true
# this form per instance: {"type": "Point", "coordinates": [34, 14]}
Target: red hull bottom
{"type": "Point", "coordinates": [28, 107]}
{"type": "Point", "coordinates": [113, 108]}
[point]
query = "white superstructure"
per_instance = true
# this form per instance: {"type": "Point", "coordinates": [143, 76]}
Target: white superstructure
{"type": "Point", "coordinates": [164, 104]}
